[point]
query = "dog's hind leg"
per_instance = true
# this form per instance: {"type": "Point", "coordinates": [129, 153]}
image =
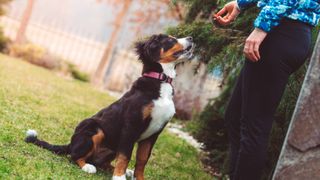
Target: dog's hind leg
{"type": "Point", "coordinates": [84, 148]}
{"type": "Point", "coordinates": [86, 167]}
{"type": "Point", "coordinates": [102, 158]}
{"type": "Point", "coordinates": [107, 165]}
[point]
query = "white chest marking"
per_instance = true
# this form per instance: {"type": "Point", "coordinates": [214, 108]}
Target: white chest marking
{"type": "Point", "coordinates": [162, 111]}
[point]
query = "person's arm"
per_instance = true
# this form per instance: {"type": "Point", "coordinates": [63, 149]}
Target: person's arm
{"type": "Point", "coordinates": [272, 13]}
{"type": "Point", "coordinates": [269, 17]}
{"type": "Point", "coordinates": [244, 4]}
{"type": "Point", "coordinates": [230, 11]}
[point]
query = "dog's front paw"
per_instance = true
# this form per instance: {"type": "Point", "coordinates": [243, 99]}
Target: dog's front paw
{"type": "Point", "coordinates": [129, 174]}
{"type": "Point", "coordinates": [89, 168]}
{"type": "Point", "coordinates": [123, 177]}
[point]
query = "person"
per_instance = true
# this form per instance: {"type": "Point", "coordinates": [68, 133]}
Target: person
{"type": "Point", "coordinates": [277, 47]}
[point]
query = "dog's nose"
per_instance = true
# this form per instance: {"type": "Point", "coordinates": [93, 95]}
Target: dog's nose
{"type": "Point", "coordinates": [189, 38]}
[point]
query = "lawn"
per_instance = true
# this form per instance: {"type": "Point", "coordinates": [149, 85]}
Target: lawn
{"type": "Point", "coordinates": [35, 98]}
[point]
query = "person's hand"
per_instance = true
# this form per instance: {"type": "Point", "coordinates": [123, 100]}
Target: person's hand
{"type": "Point", "coordinates": [253, 42]}
{"type": "Point", "coordinates": [230, 12]}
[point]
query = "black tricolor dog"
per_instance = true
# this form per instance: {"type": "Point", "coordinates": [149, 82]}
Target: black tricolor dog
{"type": "Point", "coordinates": [139, 116]}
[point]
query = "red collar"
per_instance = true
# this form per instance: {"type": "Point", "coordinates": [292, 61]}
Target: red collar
{"type": "Point", "coordinates": [161, 76]}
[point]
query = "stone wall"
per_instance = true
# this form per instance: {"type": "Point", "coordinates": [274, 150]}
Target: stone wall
{"type": "Point", "coordinates": [300, 156]}
{"type": "Point", "coordinates": [193, 90]}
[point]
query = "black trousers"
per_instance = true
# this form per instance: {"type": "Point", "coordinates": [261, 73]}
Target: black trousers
{"type": "Point", "coordinates": [257, 94]}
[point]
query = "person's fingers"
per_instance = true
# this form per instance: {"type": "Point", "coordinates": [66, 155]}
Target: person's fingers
{"type": "Point", "coordinates": [246, 50]}
{"type": "Point", "coordinates": [214, 16]}
{"type": "Point", "coordinates": [250, 54]}
{"type": "Point", "coordinates": [253, 55]}
{"type": "Point", "coordinates": [223, 20]}
{"type": "Point", "coordinates": [222, 11]}
{"type": "Point", "coordinates": [233, 15]}
{"type": "Point", "coordinates": [227, 19]}
{"type": "Point", "coordinates": [256, 50]}
{"type": "Point", "coordinates": [251, 51]}
{"type": "Point", "coordinates": [227, 14]}
{"type": "Point", "coordinates": [252, 45]}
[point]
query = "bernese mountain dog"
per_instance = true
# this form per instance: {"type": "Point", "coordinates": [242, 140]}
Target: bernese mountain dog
{"type": "Point", "coordinates": [138, 117]}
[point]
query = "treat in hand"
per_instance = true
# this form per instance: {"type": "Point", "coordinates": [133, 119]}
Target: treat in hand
{"type": "Point", "coordinates": [227, 14]}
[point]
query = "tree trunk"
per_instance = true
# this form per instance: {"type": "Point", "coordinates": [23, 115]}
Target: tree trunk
{"type": "Point", "coordinates": [20, 38]}
{"type": "Point", "coordinates": [100, 72]}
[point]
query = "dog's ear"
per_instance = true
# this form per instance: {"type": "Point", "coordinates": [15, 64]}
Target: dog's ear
{"type": "Point", "coordinates": [139, 48]}
{"type": "Point", "coordinates": [149, 50]}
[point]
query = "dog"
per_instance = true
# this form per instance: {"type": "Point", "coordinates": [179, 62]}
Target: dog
{"type": "Point", "coordinates": [139, 116]}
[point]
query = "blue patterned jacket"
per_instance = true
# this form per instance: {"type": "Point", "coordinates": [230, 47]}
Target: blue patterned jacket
{"type": "Point", "coordinates": [272, 11]}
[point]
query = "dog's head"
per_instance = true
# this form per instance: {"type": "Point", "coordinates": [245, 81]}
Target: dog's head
{"type": "Point", "coordinates": [160, 50]}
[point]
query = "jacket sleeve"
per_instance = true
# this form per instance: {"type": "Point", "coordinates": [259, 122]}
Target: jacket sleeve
{"type": "Point", "coordinates": [244, 4]}
{"type": "Point", "coordinates": [272, 13]}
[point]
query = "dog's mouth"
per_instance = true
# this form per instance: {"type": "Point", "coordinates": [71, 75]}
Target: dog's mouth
{"type": "Point", "coordinates": [189, 51]}
{"type": "Point", "coordinates": [189, 48]}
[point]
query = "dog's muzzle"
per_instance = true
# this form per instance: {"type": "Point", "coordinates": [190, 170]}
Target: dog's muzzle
{"type": "Point", "coordinates": [189, 51]}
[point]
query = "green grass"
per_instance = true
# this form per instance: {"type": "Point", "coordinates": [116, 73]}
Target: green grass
{"type": "Point", "coordinates": [35, 98]}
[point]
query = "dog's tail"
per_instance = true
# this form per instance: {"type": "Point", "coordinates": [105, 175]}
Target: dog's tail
{"type": "Point", "coordinates": [58, 149]}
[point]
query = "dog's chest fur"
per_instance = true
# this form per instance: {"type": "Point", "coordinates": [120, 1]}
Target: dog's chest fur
{"type": "Point", "coordinates": [162, 111]}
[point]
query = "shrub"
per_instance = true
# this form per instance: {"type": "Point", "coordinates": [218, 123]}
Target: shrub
{"type": "Point", "coordinates": [3, 41]}
{"type": "Point", "coordinates": [39, 56]}
{"type": "Point", "coordinates": [77, 74]}
{"type": "Point", "coordinates": [34, 54]}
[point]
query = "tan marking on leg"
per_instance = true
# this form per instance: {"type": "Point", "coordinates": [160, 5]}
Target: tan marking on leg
{"type": "Point", "coordinates": [81, 162]}
{"type": "Point", "coordinates": [97, 139]}
{"type": "Point", "coordinates": [143, 154]}
{"type": "Point", "coordinates": [121, 165]}
{"type": "Point", "coordinates": [147, 110]}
